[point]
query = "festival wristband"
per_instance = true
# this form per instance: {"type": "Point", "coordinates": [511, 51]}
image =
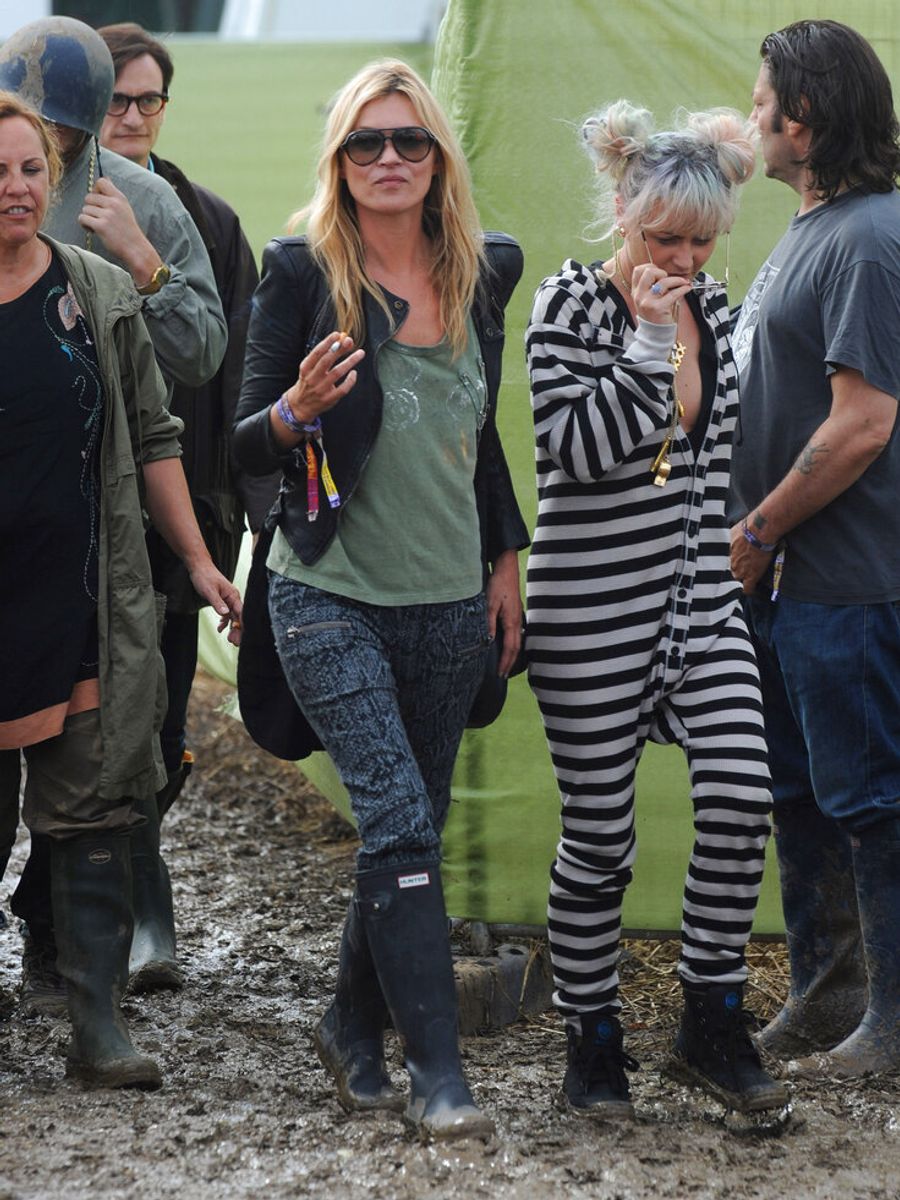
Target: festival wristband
{"type": "Point", "coordinates": [756, 542]}
{"type": "Point", "coordinates": [287, 418]}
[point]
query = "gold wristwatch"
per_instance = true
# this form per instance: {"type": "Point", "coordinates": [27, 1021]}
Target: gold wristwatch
{"type": "Point", "coordinates": [157, 280]}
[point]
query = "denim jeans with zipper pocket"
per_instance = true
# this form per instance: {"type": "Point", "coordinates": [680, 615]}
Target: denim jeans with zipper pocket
{"type": "Point", "coordinates": [388, 691]}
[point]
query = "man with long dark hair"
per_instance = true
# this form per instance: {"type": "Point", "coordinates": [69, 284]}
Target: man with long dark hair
{"type": "Point", "coordinates": [816, 540]}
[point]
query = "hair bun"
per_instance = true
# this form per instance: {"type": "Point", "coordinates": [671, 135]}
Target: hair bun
{"type": "Point", "coordinates": [732, 137]}
{"type": "Point", "coordinates": [615, 134]}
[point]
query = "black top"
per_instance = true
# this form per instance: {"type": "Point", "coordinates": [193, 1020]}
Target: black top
{"type": "Point", "coordinates": [51, 425]}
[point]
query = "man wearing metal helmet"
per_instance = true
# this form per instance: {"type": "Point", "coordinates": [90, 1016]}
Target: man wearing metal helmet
{"type": "Point", "coordinates": [110, 205]}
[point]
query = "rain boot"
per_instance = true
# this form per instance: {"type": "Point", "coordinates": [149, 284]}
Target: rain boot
{"type": "Point", "coordinates": [152, 964]}
{"type": "Point", "coordinates": [827, 995]}
{"type": "Point", "coordinates": [349, 1039]}
{"type": "Point", "coordinates": [43, 989]}
{"type": "Point", "coordinates": [595, 1081]}
{"type": "Point", "coordinates": [10, 781]}
{"type": "Point", "coordinates": [171, 790]}
{"type": "Point", "coordinates": [874, 1046]}
{"type": "Point", "coordinates": [714, 1051]}
{"type": "Point", "coordinates": [91, 884]}
{"type": "Point", "coordinates": [402, 910]}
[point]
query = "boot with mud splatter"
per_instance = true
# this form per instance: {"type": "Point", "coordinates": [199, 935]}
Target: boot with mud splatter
{"type": "Point", "coordinates": [91, 887]}
{"type": "Point", "coordinates": [349, 1039]}
{"type": "Point", "coordinates": [153, 963]}
{"type": "Point", "coordinates": [43, 989]}
{"type": "Point", "coordinates": [713, 1050]}
{"type": "Point", "coordinates": [595, 1083]}
{"type": "Point", "coordinates": [827, 994]}
{"type": "Point", "coordinates": [405, 920]}
{"type": "Point", "coordinates": [874, 1046]}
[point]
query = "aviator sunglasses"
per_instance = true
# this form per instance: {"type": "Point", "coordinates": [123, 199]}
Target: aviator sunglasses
{"type": "Point", "coordinates": [696, 284]}
{"type": "Point", "coordinates": [411, 142]}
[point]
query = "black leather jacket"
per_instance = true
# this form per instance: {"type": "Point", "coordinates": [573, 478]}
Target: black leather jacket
{"type": "Point", "coordinates": [292, 312]}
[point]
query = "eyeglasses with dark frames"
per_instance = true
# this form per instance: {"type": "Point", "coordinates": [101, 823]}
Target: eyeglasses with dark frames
{"type": "Point", "coordinates": [365, 146]}
{"type": "Point", "coordinates": [697, 285]}
{"type": "Point", "coordinates": [148, 103]}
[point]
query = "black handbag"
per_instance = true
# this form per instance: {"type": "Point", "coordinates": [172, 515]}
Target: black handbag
{"type": "Point", "coordinates": [491, 695]}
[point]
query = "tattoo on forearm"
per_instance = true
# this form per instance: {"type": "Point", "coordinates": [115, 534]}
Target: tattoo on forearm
{"type": "Point", "coordinates": [806, 459]}
{"type": "Point", "coordinates": [759, 521]}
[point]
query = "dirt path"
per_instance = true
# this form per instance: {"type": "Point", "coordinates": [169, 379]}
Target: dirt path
{"type": "Point", "coordinates": [261, 872]}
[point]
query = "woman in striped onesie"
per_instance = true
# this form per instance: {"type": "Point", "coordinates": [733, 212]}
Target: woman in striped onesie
{"type": "Point", "coordinates": [634, 624]}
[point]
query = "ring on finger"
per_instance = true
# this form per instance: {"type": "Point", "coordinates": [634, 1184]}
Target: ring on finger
{"type": "Point", "coordinates": [657, 289]}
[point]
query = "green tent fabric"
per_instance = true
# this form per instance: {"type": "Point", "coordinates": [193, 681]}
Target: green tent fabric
{"type": "Point", "coordinates": [516, 77]}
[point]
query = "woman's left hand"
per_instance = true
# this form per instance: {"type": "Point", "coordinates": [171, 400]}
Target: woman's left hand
{"type": "Point", "coordinates": [217, 590]}
{"type": "Point", "coordinates": [504, 601]}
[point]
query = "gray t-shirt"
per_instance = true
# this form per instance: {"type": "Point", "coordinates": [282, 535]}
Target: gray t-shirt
{"type": "Point", "coordinates": [828, 296]}
{"type": "Point", "coordinates": [409, 534]}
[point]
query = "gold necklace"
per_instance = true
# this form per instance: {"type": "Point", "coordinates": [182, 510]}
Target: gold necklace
{"type": "Point", "coordinates": [661, 467]}
{"type": "Point", "coordinates": [89, 235]}
{"type": "Point", "coordinates": [621, 274]}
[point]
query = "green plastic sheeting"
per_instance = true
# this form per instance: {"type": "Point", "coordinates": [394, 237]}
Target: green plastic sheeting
{"type": "Point", "coordinates": [516, 77]}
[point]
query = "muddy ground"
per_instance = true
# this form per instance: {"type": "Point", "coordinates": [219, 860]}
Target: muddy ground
{"type": "Point", "coordinates": [261, 870]}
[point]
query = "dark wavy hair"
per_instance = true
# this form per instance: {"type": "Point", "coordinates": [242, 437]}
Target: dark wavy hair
{"type": "Point", "coordinates": [826, 76]}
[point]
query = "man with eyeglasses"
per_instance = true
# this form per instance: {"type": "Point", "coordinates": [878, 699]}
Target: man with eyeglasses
{"type": "Point", "coordinates": [816, 540]}
{"type": "Point", "coordinates": [134, 219]}
{"type": "Point", "coordinates": [221, 494]}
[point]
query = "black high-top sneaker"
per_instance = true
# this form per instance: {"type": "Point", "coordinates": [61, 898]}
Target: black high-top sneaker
{"type": "Point", "coordinates": [595, 1083]}
{"type": "Point", "coordinates": [714, 1051]}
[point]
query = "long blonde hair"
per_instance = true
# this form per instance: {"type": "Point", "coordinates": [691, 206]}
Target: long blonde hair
{"type": "Point", "coordinates": [449, 219]}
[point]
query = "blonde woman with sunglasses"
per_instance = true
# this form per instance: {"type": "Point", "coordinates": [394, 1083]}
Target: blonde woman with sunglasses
{"type": "Point", "coordinates": [634, 623]}
{"type": "Point", "coordinates": [372, 371]}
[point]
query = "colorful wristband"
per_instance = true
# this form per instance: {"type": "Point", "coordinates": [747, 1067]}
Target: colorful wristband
{"type": "Point", "coordinates": [756, 542]}
{"type": "Point", "coordinates": [287, 418]}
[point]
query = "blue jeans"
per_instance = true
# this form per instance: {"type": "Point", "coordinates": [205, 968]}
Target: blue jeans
{"type": "Point", "coordinates": [830, 679]}
{"type": "Point", "coordinates": [388, 691]}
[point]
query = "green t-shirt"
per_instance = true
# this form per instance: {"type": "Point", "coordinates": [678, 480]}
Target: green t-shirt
{"type": "Point", "coordinates": [409, 534]}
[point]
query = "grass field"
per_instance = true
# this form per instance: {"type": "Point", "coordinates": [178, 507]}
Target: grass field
{"type": "Point", "coordinates": [246, 120]}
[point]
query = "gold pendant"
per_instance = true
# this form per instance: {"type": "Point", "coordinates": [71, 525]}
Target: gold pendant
{"type": "Point", "coordinates": [662, 474]}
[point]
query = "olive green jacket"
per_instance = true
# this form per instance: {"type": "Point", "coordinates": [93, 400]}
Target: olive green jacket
{"type": "Point", "coordinates": [137, 429]}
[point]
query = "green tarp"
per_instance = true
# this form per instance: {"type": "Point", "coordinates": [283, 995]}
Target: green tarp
{"type": "Point", "coordinates": [517, 76]}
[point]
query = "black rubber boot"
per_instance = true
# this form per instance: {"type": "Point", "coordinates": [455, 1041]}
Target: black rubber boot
{"type": "Point", "coordinates": [91, 881]}
{"type": "Point", "coordinates": [874, 1046]}
{"type": "Point", "coordinates": [43, 990]}
{"type": "Point", "coordinates": [152, 963]}
{"type": "Point", "coordinates": [171, 790]}
{"type": "Point", "coordinates": [713, 1050]}
{"type": "Point", "coordinates": [349, 1039]}
{"type": "Point", "coordinates": [827, 994]}
{"type": "Point", "coordinates": [10, 782]}
{"type": "Point", "coordinates": [595, 1083]}
{"type": "Point", "coordinates": [406, 925]}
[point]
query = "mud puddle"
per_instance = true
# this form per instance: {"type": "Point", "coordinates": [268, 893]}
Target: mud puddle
{"type": "Point", "coordinates": [261, 869]}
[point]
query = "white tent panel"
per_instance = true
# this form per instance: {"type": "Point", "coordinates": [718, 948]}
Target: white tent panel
{"type": "Point", "coordinates": [338, 21]}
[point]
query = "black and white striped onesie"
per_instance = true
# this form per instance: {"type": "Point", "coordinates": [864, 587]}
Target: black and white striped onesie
{"type": "Point", "coordinates": [635, 632]}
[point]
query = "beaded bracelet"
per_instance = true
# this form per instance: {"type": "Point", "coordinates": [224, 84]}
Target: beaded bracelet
{"type": "Point", "coordinates": [287, 418]}
{"type": "Point", "coordinates": [756, 542]}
